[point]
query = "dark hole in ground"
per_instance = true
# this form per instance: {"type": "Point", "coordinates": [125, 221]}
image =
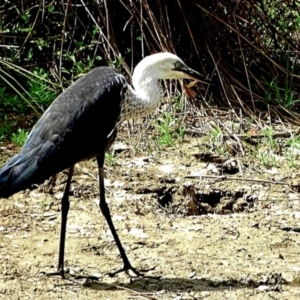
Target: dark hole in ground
{"type": "Point", "coordinates": [190, 200]}
{"type": "Point", "coordinates": [166, 199]}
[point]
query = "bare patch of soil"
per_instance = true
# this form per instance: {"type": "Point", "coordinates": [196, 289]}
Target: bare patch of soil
{"type": "Point", "coordinates": [213, 228]}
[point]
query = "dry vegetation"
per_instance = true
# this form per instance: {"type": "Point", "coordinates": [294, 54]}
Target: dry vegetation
{"type": "Point", "coordinates": [211, 182]}
{"type": "Point", "coordinates": [249, 49]}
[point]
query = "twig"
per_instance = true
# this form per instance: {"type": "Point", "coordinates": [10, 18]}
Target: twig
{"type": "Point", "coordinates": [224, 177]}
{"type": "Point", "coordinates": [138, 294]}
{"type": "Point", "coordinates": [220, 238]}
{"type": "Point", "coordinates": [293, 229]}
{"type": "Point", "coordinates": [245, 135]}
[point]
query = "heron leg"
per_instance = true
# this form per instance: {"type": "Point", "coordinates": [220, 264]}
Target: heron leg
{"type": "Point", "coordinates": [65, 205]}
{"type": "Point", "coordinates": [106, 213]}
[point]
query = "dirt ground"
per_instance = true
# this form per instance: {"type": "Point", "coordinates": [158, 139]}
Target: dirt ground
{"type": "Point", "coordinates": [208, 237]}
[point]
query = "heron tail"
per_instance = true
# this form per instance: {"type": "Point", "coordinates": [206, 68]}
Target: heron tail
{"type": "Point", "coordinates": [16, 174]}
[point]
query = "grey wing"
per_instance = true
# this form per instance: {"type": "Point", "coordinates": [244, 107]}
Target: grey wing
{"type": "Point", "coordinates": [77, 125]}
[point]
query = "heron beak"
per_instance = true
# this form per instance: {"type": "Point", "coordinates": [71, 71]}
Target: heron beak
{"type": "Point", "coordinates": [192, 74]}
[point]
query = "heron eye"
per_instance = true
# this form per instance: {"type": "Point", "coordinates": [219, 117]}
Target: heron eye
{"type": "Point", "coordinates": [177, 65]}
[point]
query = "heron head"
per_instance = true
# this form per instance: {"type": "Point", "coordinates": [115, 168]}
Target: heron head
{"type": "Point", "coordinates": [166, 65]}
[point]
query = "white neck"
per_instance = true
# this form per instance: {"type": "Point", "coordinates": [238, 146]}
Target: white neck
{"type": "Point", "coordinates": [146, 95]}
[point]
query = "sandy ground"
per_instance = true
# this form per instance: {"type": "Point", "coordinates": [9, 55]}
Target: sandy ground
{"type": "Point", "coordinates": [207, 237]}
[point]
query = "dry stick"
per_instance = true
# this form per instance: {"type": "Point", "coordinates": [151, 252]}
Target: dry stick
{"type": "Point", "coordinates": [247, 136]}
{"type": "Point", "coordinates": [239, 143]}
{"type": "Point", "coordinates": [142, 130]}
{"type": "Point", "coordinates": [291, 113]}
{"type": "Point", "coordinates": [135, 10]}
{"type": "Point", "coordinates": [131, 44]}
{"type": "Point", "coordinates": [233, 135]}
{"type": "Point", "coordinates": [17, 91]}
{"type": "Point", "coordinates": [107, 20]}
{"type": "Point", "coordinates": [126, 24]}
{"type": "Point", "coordinates": [141, 28]}
{"type": "Point", "coordinates": [78, 21]}
{"type": "Point", "coordinates": [213, 71]}
{"type": "Point", "coordinates": [126, 68]}
{"type": "Point", "coordinates": [129, 21]}
{"type": "Point", "coordinates": [170, 37]}
{"type": "Point", "coordinates": [105, 38]}
{"type": "Point", "coordinates": [244, 38]}
{"type": "Point", "coordinates": [30, 31]}
{"type": "Point", "coordinates": [224, 177]}
{"type": "Point", "coordinates": [62, 42]}
{"type": "Point", "coordinates": [294, 229]}
{"type": "Point", "coordinates": [260, 49]}
{"type": "Point", "coordinates": [219, 238]}
{"type": "Point", "coordinates": [265, 20]}
{"type": "Point", "coordinates": [222, 82]}
{"type": "Point", "coordinates": [142, 297]}
{"type": "Point", "coordinates": [152, 27]}
{"type": "Point", "coordinates": [188, 28]}
{"type": "Point", "coordinates": [287, 129]}
{"type": "Point", "coordinates": [139, 294]}
{"type": "Point", "coordinates": [99, 28]}
{"type": "Point", "coordinates": [73, 31]}
{"type": "Point", "coordinates": [97, 46]}
{"type": "Point", "coordinates": [239, 99]}
{"type": "Point", "coordinates": [218, 73]}
{"type": "Point", "coordinates": [245, 67]}
{"type": "Point", "coordinates": [160, 36]}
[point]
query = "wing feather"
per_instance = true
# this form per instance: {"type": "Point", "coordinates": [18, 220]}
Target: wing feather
{"type": "Point", "coordinates": [76, 126]}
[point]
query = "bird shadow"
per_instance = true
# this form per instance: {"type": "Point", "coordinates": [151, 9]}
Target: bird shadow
{"type": "Point", "coordinates": [148, 285]}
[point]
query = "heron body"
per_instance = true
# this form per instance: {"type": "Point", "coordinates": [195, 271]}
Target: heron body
{"type": "Point", "coordinates": [82, 123]}
{"type": "Point", "coordinates": [76, 126]}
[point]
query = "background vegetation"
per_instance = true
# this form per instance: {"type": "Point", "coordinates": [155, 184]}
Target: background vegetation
{"type": "Point", "coordinates": [250, 50]}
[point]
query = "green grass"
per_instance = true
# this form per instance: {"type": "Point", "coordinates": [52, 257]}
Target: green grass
{"type": "Point", "coordinates": [110, 158]}
{"type": "Point", "coordinates": [31, 93]}
{"type": "Point", "coordinates": [19, 137]}
{"type": "Point", "coordinates": [267, 159]}
{"type": "Point", "coordinates": [169, 129]}
{"type": "Point", "coordinates": [5, 126]}
{"type": "Point", "coordinates": [271, 141]}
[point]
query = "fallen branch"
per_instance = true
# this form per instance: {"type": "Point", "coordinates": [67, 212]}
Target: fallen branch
{"type": "Point", "coordinates": [293, 229]}
{"type": "Point", "coordinates": [220, 238]}
{"type": "Point", "coordinates": [245, 135]}
{"type": "Point", "coordinates": [224, 177]}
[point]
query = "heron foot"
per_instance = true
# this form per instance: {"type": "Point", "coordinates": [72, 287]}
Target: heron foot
{"type": "Point", "coordinates": [68, 274]}
{"type": "Point", "coordinates": [138, 273]}
{"type": "Point", "coordinates": [59, 272]}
